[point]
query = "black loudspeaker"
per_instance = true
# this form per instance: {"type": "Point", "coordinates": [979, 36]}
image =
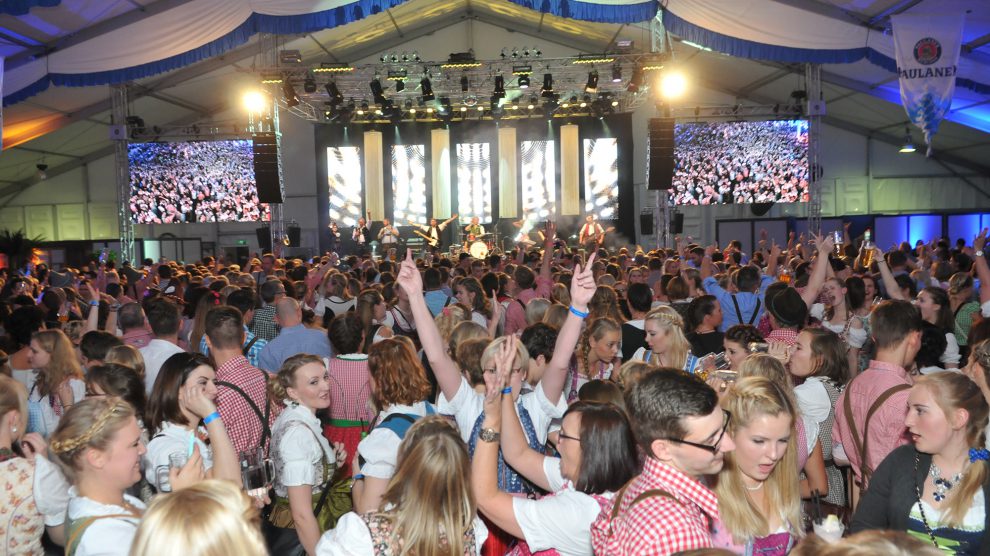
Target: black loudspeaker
{"type": "Point", "coordinates": [759, 209]}
{"type": "Point", "coordinates": [264, 239]}
{"type": "Point", "coordinates": [660, 171]}
{"type": "Point", "coordinates": [266, 168]}
{"type": "Point", "coordinates": [646, 224]}
{"type": "Point", "coordinates": [293, 233]}
{"type": "Point", "coordinates": [677, 223]}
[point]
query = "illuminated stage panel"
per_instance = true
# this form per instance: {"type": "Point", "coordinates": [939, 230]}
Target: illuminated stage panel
{"type": "Point", "coordinates": [539, 171]}
{"type": "Point", "coordinates": [601, 178]}
{"type": "Point", "coordinates": [409, 183]}
{"type": "Point", "coordinates": [346, 186]}
{"type": "Point", "coordinates": [474, 181]}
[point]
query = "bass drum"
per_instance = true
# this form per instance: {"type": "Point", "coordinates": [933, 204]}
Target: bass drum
{"type": "Point", "coordinates": [478, 250]}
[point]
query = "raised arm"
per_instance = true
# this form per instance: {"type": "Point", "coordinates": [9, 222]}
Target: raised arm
{"type": "Point", "coordinates": [889, 283]}
{"type": "Point", "coordinates": [448, 376]}
{"type": "Point", "coordinates": [772, 259]}
{"type": "Point", "coordinates": [819, 270]}
{"type": "Point", "coordinates": [548, 240]}
{"type": "Point", "coordinates": [449, 220]}
{"type": "Point", "coordinates": [706, 262]}
{"type": "Point", "coordinates": [582, 288]}
{"type": "Point", "coordinates": [982, 269]}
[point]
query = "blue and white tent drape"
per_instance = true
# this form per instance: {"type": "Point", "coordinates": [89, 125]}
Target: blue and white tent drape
{"type": "Point", "coordinates": [202, 29]}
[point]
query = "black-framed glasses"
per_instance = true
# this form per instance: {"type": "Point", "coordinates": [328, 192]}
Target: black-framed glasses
{"type": "Point", "coordinates": [713, 449]}
{"type": "Point", "coordinates": [562, 434]}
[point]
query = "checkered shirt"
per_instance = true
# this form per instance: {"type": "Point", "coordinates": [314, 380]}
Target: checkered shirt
{"type": "Point", "coordinates": [263, 325]}
{"type": "Point", "coordinates": [241, 421]}
{"type": "Point", "coordinates": [349, 388]}
{"type": "Point", "coordinates": [252, 354]}
{"type": "Point", "coordinates": [658, 525]}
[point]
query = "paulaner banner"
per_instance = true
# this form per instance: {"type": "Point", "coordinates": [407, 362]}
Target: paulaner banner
{"type": "Point", "coordinates": [927, 50]}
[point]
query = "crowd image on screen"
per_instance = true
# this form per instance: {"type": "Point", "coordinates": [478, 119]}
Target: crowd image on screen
{"type": "Point", "coordinates": [741, 162]}
{"type": "Point", "coordinates": [203, 181]}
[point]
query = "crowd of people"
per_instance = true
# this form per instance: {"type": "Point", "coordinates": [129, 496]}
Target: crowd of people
{"type": "Point", "coordinates": [741, 162]}
{"type": "Point", "coordinates": [202, 181]}
{"type": "Point", "coordinates": [689, 400]}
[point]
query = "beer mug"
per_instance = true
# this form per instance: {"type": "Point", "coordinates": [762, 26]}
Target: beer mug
{"type": "Point", "coordinates": [257, 472]}
{"type": "Point", "coordinates": [837, 239]}
{"type": "Point", "coordinates": [784, 275]}
{"type": "Point", "coordinates": [868, 251]}
{"type": "Point", "coordinates": [176, 460]}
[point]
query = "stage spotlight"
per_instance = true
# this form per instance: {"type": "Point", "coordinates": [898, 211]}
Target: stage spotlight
{"type": "Point", "coordinates": [547, 90]}
{"type": "Point", "coordinates": [255, 102]}
{"type": "Point", "coordinates": [445, 105]}
{"type": "Point", "coordinates": [616, 73]}
{"type": "Point", "coordinates": [400, 86]}
{"type": "Point", "coordinates": [673, 85]}
{"type": "Point", "coordinates": [377, 91]}
{"type": "Point", "coordinates": [908, 146]}
{"type": "Point", "coordinates": [427, 89]}
{"type": "Point", "coordinates": [334, 93]}
{"type": "Point", "coordinates": [309, 85]}
{"type": "Point", "coordinates": [464, 84]}
{"type": "Point", "coordinates": [585, 101]}
{"type": "Point", "coordinates": [592, 85]}
{"type": "Point", "coordinates": [289, 92]}
{"type": "Point", "coordinates": [499, 87]}
{"type": "Point", "coordinates": [523, 81]}
{"type": "Point", "coordinates": [636, 81]}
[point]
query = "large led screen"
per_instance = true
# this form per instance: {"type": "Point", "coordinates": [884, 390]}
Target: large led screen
{"type": "Point", "coordinates": [474, 181]}
{"type": "Point", "coordinates": [741, 162]}
{"type": "Point", "coordinates": [196, 181]}
{"type": "Point", "coordinates": [345, 184]}
{"type": "Point", "coordinates": [601, 178]}
{"type": "Point", "coordinates": [539, 174]}
{"type": "Point", "coordinates": [409, 183]}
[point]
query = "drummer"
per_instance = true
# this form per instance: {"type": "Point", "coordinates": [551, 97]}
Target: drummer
{"type": "Point", "coordinates": [473, 233]}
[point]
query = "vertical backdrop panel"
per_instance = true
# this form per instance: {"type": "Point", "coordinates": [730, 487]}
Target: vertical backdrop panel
{"type": "Point", "coordinates": [508, 195]}
{"type": "Point", "coordinates": [374, 191]}
{"type": "Point", "coordinates": [570, 170]}
{"type": "Point", "coordinates": [440, 142]}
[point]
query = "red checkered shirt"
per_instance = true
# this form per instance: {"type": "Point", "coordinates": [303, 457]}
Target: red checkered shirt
{"type": "Point", "coordinates": [349, 388]}
{"type": "Point", "coordinates": [242, 423]}
{"type": "Point", "coordinates": [658, 525]}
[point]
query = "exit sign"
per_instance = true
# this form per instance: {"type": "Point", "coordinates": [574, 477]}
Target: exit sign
{"type": "Point", "coordinates": [242, 242]}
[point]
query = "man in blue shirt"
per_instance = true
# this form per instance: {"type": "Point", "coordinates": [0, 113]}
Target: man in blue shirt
{"type": "Point", "coordinates": [294, 338]}
{"type": "Point", "coordinates": [747, 304]}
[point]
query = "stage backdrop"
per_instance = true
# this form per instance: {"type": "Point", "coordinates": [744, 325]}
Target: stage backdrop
{"type": "Point", "coordinates": [474, 178]}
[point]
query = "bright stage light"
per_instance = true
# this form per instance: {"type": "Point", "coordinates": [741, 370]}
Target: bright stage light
{"type": "Point", "coordinates": [255, 102]}
{"type": "Point", "coordinates": [673, 85]}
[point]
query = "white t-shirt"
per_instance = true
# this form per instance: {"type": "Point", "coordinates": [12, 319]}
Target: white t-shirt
{"type": "Point", "coordinates": [813, 400]}
{"type": "Point", "coordinates": [111, 536]}
{"type": "Point", "coordinates": [467, 405]}
{"type": "Point", "coordinates": [155, 354]}
{"type": "Point", "coordinates": [985, 310]}
{"type": "Point", "coordinates": [855, 337]}
{"type": "Point", "coordinates": [173, 439]}
{"type": "Point", "coordinates": [299, 449]}
{"type": "Point", "coordinates": [561, 521]}
{"type": "Point", "coordinates": [351, 537]}
{"type": "Point", "coordinates": [381, 447]}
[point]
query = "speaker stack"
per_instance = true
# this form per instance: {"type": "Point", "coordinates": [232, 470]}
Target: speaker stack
{"type": "Point", "coordinates": [660, 171]}
{"type": "Point", "coordinates": [266, 168]}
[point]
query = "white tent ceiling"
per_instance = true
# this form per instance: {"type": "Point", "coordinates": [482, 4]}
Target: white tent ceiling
{"type": "Point", "coordinates": [67, 126]}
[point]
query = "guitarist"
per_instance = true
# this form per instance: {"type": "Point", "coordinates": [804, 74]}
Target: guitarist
{"type": "Point", "coordinates": [432, 232]}
{"type": "Point", "coordinates": [592, 234]}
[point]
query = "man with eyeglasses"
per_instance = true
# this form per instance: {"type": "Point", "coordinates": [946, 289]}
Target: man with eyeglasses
{"type": "Point", "coordinates": [666, 509]}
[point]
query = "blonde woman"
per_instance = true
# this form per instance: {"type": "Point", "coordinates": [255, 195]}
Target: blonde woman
{"type": "Point", "coordinates": [937, 487]}
{"type": "Point", "coordinates": [128, 356]}
{"type": "Point", "coordinates": [428, 507]}
{"type": "Point", "coordinates": [212, 518]}
{"type": "Point", "coordinates": [597, 355]}
{"type": "Point", "coordinates": [668, 347]}
{"type": "Point", "coordinates": [58, 382]}
{"type": "Point", "coordinates": [758, 494]}
{"type": "Point", "coordinates": [304, 461]}
{"type": "Point", "coordinates": [98, 446]}
{"type": "Point", "coordinates": [35, 492]}
{"type": "Point", "coordinates": [333, 296]}
{"type": "Point", "coordinates": [449, 317]}
{"type": "Point", "coordinates": [556, 315]}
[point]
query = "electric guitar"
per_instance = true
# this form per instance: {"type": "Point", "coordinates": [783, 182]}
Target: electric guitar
{"type": "Point", "coordinates": [432, 242]}
{"type": "Point", "coordinates": [598, 238]}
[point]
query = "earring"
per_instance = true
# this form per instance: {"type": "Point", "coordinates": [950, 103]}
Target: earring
{"type": "Point", "coordinates": [13, 430]}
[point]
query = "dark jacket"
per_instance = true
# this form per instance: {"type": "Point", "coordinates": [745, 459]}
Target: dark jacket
{"type": "Point", "coordinates": [887, 503]}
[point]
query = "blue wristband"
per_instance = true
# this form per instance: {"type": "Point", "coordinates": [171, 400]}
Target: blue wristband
{"type": "Point", "coordinates": [507, 390]}
{"type": "Point", "coordinates": [577, 313]}
{"type": "Point", "coordinates": [211, 417]}
{"type": "Point", "coordinates": [94, 303]}
{"type": "Point", "coordinates": [359, 477]}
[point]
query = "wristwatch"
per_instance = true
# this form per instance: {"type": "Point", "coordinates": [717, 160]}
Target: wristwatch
{"type": "Point", "coordinates": [489, 435]}
{"type": "Point", "coordinates": [979, 253]}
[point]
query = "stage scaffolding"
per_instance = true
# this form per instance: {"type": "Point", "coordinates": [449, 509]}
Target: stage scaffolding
{"type": "Point", "coordinates": [119, 133]}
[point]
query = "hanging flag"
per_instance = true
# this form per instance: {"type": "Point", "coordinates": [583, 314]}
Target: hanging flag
{"type": "Point", "coordinates": [927, 50]}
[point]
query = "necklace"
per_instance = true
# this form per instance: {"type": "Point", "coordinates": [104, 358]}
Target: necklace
{"type": "Point", "coordinates": [942, 485]}
{"type": "Point", "coordinates": [754, 489]}
{"type": "Point", "coordinates": [921, 505]}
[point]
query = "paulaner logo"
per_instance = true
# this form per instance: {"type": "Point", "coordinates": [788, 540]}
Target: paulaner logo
{"type": "Point", "coordinates": [927, 51]}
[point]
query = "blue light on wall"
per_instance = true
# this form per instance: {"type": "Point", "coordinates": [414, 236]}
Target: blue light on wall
{"type": "Point", "coordinates": [924, 227]}
{"type": "Point", "coordinates": [966, 226]}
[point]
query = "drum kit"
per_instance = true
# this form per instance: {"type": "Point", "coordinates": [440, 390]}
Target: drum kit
{"type": "Point", "coordinates": [479, 246]}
